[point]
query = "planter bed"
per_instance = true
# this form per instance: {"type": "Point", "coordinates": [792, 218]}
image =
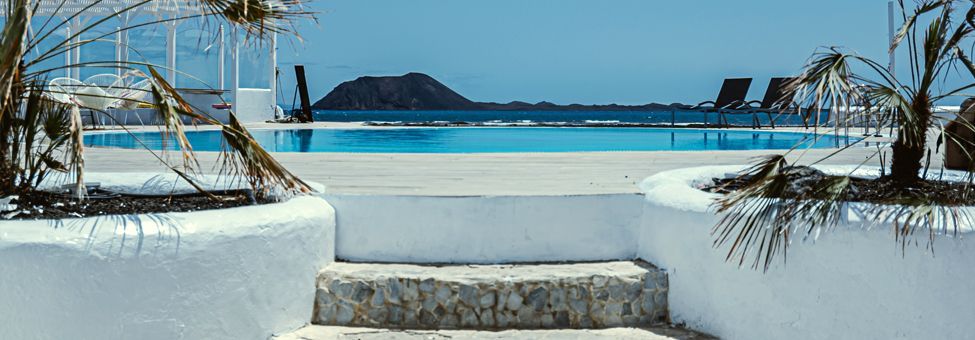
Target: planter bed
{"type": "Point", "coordinates": [237, 273]}
{"type": "Point", "coordinates": [850, 283]}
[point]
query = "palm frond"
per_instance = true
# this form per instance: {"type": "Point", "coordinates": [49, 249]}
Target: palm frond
{"type": "Point", "coordinates": [760, 220]}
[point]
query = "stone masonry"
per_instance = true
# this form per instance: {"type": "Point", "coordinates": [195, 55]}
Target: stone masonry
{"type": "Point", "coordinates": [585, 295]}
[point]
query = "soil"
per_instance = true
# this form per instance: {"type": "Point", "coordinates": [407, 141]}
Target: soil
{"type": "Point", "coordinates": [48, 205]}
{"type": "Point", "coordinates": [880, 190]}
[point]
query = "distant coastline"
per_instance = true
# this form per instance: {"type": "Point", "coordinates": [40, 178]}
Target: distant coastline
{"type": "Point", "coordinates": [420, 92]}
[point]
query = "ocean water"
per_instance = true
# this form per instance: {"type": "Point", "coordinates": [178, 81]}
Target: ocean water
{"type": "Point", "coordinates": [488, 140]}
{"type": "Point", "coordinates": [646, 117]}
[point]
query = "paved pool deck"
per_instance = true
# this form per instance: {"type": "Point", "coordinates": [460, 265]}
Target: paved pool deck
{"type": "Point", "coordinates": [486, 174]}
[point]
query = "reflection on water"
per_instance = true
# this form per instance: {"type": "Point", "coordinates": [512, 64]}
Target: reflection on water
{"type": "Point", "coordinates": [466, 140]}
{"type": "Point", "coordinates": [299, 140]}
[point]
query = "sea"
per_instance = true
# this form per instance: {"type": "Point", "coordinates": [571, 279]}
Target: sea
{"type": "Point", "coordinates": [679, 117]}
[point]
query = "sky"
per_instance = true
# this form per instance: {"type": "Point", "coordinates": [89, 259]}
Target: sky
{"type": "Point", "coordinates": [563, 51]}
{"type": "Point", "coordinates": [579, 51]}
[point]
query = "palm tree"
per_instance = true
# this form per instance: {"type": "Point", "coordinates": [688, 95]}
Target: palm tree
{"type": "Point", "coordinates": [40, 134]}
{"type": "Point", "coordinates": [763, 216]}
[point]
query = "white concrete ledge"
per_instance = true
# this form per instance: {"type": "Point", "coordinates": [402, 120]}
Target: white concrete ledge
{"type": "Point", "coordinates": [486, 229]}
{"type": "Point", "coordinates": [851, 283]}
{"type": "Point", "coordinates": [239, 273]}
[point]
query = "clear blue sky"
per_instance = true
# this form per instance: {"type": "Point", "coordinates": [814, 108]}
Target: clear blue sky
{"type": "Point", "coordinates": [580, 51]}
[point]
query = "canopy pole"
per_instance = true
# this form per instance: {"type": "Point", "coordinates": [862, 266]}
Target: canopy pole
{"type": "Point", "coordinates": [235, 68]}
{"type": "Point", "coordinates": [171, 52]}
{"type": "Point", "coordinates": [124, 56]}
{"type": "Point", "coordinates": [221, 60]}
{"type": "Point", "coordinates": [76, 71]}
{"type": "Point", "coordinates": [890, 36]}
{"type": "Point", "coordinates": [273, 60]}
{"type": "Point", "coordinates": [118, 51]}
{"type": "Point", "coordinates": [67, 52]}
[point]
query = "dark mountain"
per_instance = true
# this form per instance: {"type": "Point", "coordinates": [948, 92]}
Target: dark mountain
{"type": "Point", "coordinates": [417, 91]}
{"type": "Point", "coordinates": [412, 91]}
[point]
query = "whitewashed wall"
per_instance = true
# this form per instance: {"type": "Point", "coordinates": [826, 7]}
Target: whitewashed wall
{"type": "Point", "coordinates": [254, 105]}
{"type": "Point", "coordinates": [503, 229]}
{"type": "Point", "coordinates": [240, 273]}
{"type": "Point", "coordinates": [850, 284]}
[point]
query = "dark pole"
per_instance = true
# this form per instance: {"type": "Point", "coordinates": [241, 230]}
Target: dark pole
{"type": "Point", "coordinates": [305, 116]}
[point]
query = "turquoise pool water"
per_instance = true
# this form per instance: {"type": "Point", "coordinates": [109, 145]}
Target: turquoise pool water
{"type": "Point", "coordinates": [490, 139]}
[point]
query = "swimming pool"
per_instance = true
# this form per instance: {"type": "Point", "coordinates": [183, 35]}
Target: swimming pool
{"type": "Point", "coordinates": [488, 139]}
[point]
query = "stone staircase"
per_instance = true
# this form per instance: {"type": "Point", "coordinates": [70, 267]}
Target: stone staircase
{"type": "Point", "coordinates": [492, 297]}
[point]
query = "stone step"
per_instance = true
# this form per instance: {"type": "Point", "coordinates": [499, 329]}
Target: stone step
{"type": "Point", "coordinates": [316, 332]}
{"type": "Point", "coordinates": [491, 297]}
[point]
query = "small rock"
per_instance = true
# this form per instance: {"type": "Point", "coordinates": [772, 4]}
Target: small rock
{"type": "Point", "coordinates": [562, 319]}
{"type": "Point", "coordinates": [557, 299]}
{"type": "Point", "coordinates": [613, 321]}
{"type": "Point", "coordinates": [614, 309]}
{"type": "Point", "coordinates": [502, 298]}
{"type": "Point", "coordinates": [378, 298]}
{"type": "Point", "coordinates": [514, 301]}
{"type": "Point", "coordinates": [468, 295]}
{"type": "Point", "coordinates": [538, 298]}
{"type": "Point", "coordinates": [409, 318]}
{"type": "Point", "coordinates": [650, 280]}
{"type": "Point", "coordinates": [627, 309]}
{"type": "Point", "coordinates": [443, 293]}
{"type": "Point", "coordinates": [395, 289]}
{"type": "Point", "coordinates": [377, 316]}
{"type": "Point", "coordinates": [579, 306]}
{"type": "Point", "coordinates": [323, 297]}
{"type": "Point", "coordinates": [547, 320]}
{"type": "Point", "coordinates": [333, 285]}
{"type": "Point", "coordinates": [487, 300]}
{"type": "Point", "coordinates": [573, 292]}
{"type": "Point", "coordinates": [633, 291]}
{"type": "Point", "coordinates": [429, 303]}
{"type": "Point", "coordinates": [468, 318]}
{"type": "Point", "coordinates": [449, 321]}
{"type": "Point", "coordinates": [395, 315]}
{"type": "Point", "coordinates": [326, 313]}
{"type": "Point", "coordinates": [487, 319]}
{"type": "Point", "coordinates": [427, 285]}
{"type": "Point", "coordinates": [647, 303]}
{"type": "Point", "coordinates": [344, 314]}
{"type": "Point", "coordinates": [410, 292]}
{"type": "Point", "coordinates": [616, 292]}
{"type": "Point", "coordinates": [451, 305]}
{"type": "Point", "coordinates": [660, 298]}
{"type": "Point", "coordinates": [599, 281]}
{"type": "Point", "coordinates": [502, 319]}
{"type": "Point", "coordinates": [602, 295]}
{"type": "Point", "coordinates": [527, 317]}
{"type": "Point", "coordinates": [597, 310]}
{"type": "Point", "coordinates": [343, 290]}
{"type": "Point", "coordinates": [361, 292]}
{"type": "Point", "coordinates": [427, 318]}
{"type": "Point", "coordinates": [439, 311]}
{"type": "Point", "coordinates": [631, 320]}
{"type": "Point", "coordinates": [585, 322]}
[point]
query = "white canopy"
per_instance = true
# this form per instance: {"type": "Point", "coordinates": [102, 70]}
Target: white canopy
{"type": "Point", "coordinates": [93, 8]}
{"type": "Point", "coordinates": [161, 9]}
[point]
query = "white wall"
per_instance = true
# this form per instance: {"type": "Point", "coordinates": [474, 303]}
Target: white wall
{"type": "Point", "coordinates": [850, 284]}
{"type": "Point", "coordinates": [240, 273]}
{"type": "Point", "coordinates": [501, 229]}
{"type": "Point", "coordinates": [254, 105]}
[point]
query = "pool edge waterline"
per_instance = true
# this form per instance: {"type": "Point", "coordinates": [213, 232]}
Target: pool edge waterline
{"type": "Point", "coordinates": [468, 140]}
